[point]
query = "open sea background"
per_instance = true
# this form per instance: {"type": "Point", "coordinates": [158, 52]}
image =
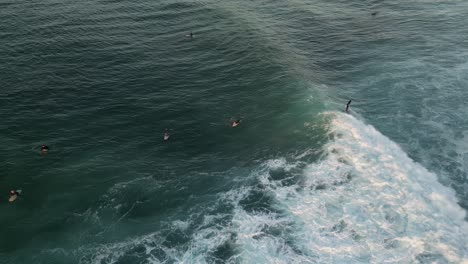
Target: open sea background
{"type": "Point", "coordinates": [298, 181]}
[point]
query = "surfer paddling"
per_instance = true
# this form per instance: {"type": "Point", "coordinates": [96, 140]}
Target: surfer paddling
{"type": "Point", "coordinates": [347, 106]}
{"type": "Point", "coordinates": [13, 195]}
{"type": "Point", "coordinates": [235, 123]}
{"type": "Point", "coordinates": [190, 35]}
{"type": "Point", "coordinates": [44, 149]}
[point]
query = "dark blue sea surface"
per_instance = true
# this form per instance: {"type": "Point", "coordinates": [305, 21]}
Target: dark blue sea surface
{"type": "Point", "coordinates": [298, 181]}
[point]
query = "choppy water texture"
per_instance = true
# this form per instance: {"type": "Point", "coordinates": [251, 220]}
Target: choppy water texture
{"type": "Point", "coordinates": [299, 181]}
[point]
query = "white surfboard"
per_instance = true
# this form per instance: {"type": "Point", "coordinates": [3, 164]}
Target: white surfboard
{"type": "Point", "coordinates": [13, 197]}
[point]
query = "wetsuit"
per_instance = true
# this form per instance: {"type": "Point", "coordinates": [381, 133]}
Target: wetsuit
{"type": "Point", "coordinates": [347, 106]}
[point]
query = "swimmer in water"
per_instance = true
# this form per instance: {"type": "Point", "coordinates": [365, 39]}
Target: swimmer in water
{"type": "Point", "coordinates": [166, 135]}
{"type": "Point", "coordinates": [347, 106]}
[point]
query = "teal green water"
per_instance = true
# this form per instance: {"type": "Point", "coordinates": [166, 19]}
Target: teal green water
{"type": "Point", "coordinates": [100, 81]}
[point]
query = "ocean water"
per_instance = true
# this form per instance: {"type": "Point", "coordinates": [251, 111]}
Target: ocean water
{"type": "Point", "coordinates": [299, 181]}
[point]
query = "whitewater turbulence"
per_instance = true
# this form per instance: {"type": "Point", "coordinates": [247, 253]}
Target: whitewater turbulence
{"type": "Point", "coordinates": [364, 201]}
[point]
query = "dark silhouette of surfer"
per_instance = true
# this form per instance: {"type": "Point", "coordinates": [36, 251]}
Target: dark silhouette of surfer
{"type": "Point", "coordinates": [374, 13]}
{"type": "Point", "coordinates": [14, 192]}
{"type": "Point", "coordinates": [347, 106]}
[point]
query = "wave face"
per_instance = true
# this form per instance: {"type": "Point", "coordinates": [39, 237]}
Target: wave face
{"type": "Point", "coordinates": [296, 182]}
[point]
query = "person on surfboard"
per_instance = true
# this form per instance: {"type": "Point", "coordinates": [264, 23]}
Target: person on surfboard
{"type": "Point", "coordinates": [13, 195]}
{"type": "Point", "coordinates": [347, 106]}
{"type": "Point", "coordinates": [190, 35]}
{"type": "Point", "coordinates": [236, 123]}
{"type": "Point", "coordinates": [44, 148]}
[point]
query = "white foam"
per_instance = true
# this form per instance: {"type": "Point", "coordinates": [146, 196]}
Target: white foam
{"type": "Point", "coordinates": [374, 205]}
{"type": "Point", "coordinates": [280, 163]}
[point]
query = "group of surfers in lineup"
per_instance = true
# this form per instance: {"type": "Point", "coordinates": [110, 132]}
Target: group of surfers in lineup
{"type": "Point", "coordinates": [236, 122]}
{"type": "Point", "coordinates": [45, 149]}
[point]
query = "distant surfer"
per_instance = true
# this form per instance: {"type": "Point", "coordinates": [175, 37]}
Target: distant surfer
{"type": "Point", "coordinates": [374, 13]}
{"type": "Point", "coordinates": [44, 148]}
{"type": "Point", "coordinates": [190, 35]}
{"type": "Point", "coordinates": [347, 106]}
{"type": "Point", "coordinates": [13, 195]}
{"type": "Point", "coordinates": [235, 123]}
{"type": "Point", "coordinates": [166, 135]}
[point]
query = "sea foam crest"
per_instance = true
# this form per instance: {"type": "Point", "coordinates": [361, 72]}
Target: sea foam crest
{"type": "Point", "coordinates": [367, 201]}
